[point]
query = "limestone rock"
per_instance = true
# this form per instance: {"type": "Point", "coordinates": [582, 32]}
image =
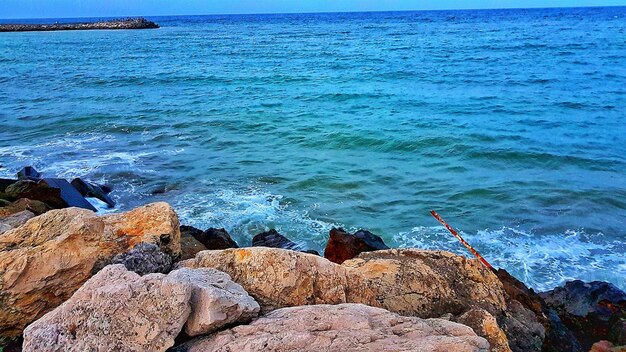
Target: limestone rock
{"type": "Point", "coordinates": [344, 327]}
{"type": "Point", "coordinates": [15, 220]}
{"type": "Point", "coordinates": [116, 310]}
{"type": "Point", "coordinates": [216, 301]}
{"type": "Point", "coordinates": [590, 310]}
{"type": "Point", "coordinates": [43, 262]}
{"type": "Point", "coordinates": [485, 325]}
{"type": "Point", "coordinates": [145, 258]}
{"type": "Point", "coordinates": [343, 246]}
{"type": "Point", "coordinates": [429, 284]}
{"type": "Point", "coordinates": [279, 278]}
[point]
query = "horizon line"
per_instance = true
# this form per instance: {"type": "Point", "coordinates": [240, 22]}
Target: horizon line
{"type": "Point", "coordinates": [319, 12]}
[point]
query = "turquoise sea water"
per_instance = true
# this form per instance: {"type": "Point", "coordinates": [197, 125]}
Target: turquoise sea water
{"type": "Point", "coordinates": [510, 123]}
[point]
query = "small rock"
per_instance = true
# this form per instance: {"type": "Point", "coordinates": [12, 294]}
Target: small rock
{"type": "Point", "coordinates": [116, 310]}
{"type": "Point", "coordinates": [216, 301]}
{"type": "Point", "coordinates": [189, 245]}
{"type": "Point", "coordinates": [606, 346]}
{"type": "Point", "coordinates": [273, 239]}
{"type": "Point", "coordinates": [55, 192]}
{"type": "Point", "coordinates": [212, 238]}
{"type": "Point", "coordinates": [15, 220]}
{"type": "Point", "coordinates": [344, 327]}
{"type": "Point", "coordinates": [343, 246]}
{"type": "Point", "coordinates": [590, 310]}
{"type": "Point", "coordinates": [145, 258]}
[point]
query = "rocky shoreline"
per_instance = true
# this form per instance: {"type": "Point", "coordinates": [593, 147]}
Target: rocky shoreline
{"type": "Point", "coordinates": [71, 280]}
{"type": "Point", "coordinates": [127, 23]}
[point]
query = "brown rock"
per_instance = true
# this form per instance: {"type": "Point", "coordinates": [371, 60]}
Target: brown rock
{"type": "Point", "coordinates": [43, 262]}
{"type": "Point", "coordinates": [429, 284]}
{"type": "Point", "coordinates": [34, 206]}
{"type": "Point", "coordinates": [279, 278]}
{"type": "Point", "coordinates": [344, 327]}
{"type": "Point", "coordinates": [485, 325]}
{"type": "Point", "coordinates": [606, 346]}
{"type": "Point", "coordinates": [14, 220]}
{"type": "Point", "coordinates": [343, 246]}
{"type": "Point", "coordinates": [189, 246]}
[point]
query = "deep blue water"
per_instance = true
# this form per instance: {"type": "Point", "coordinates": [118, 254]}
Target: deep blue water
{"type": "Point", "coordinates": [510, 123]}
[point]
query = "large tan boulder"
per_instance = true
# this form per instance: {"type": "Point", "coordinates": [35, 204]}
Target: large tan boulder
{"type": "Point", "coordinates": [116, 310]}
{"type": "Point", "coordinates": [44, 261]}
{"type": "Point", "coordinates": [216, 301]}
{"type": "Point", "coordinates": [429, 284]}
{"type": "Point", "coordinates": [344, 327]}
{"type": "Point", "coordinates": [279, 278]}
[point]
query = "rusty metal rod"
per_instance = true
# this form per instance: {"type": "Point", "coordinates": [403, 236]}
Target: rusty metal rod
{"type": "Point", "coordinates": [458, 237]}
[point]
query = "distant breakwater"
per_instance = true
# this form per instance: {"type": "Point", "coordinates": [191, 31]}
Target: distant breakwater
{"type": "Point", "coordinates": [128, 23]}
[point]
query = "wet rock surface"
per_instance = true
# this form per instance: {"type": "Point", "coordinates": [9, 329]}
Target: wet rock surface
{"type": "Point", "coordinates": [145, 258]}
{"type": "Point", "coordinates": [343, 246]}
{"type": "Point", "coordinates": [593, 311]}
{"type": "Point", "coordinates": [344, 327]}
{"type": "Point", "coordinates": [212, 238]}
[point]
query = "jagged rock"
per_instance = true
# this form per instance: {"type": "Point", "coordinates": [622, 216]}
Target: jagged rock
{"type": "Point", "coordinates": [87, 189]}
{"type": "Point", "coordinates": [145, 258]}
{"type": "Point", "coordinates": [557, 336]}
{"type": "Point", "coordinates": [523, 330]}
{"type": "Point", "coordinates": [128, 23]}
{"type": "Point", "coordinates": [28, 173]}
{"type": "Point", "coordinates": [590, 310]}
{"type": "Point", "coordinates": [212, 238]}
{"type": "Point", "coordinates": [343, 246]}
{"type": "Point", "coordinates": [189, 245]}
{"type": "Point", "coordinates": [216, 301]}
{"type": "Point", "coordinates": [34, 206]}
{"type": "Point", "coordinates": [116, 310]}
{"type": "Point", "coordinates": [14, 220]}
{"type": "Point", "coordinates": [485, 325]}
{"type": "Point", "coordinates": [344, 327]}
{"type": "Point", "coordinates": [279, 278]}
{"type": "Point", "coordinates": [47, 259]}
{"type": "Point", "coordinates": [273, 239]}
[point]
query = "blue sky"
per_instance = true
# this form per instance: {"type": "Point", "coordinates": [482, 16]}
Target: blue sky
{"type": "Point", "coordinates": [105, 8]}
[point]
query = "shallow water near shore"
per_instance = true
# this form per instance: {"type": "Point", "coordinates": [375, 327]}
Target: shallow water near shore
{"type": "Point", "coordinates": [510, 123]}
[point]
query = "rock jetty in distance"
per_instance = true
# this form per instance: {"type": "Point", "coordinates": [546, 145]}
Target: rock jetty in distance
{"type": "Point", "coordinates": [127, 23]}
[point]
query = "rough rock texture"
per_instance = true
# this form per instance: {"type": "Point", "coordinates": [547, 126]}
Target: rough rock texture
{"type": "Point", "coordinates": [216, 301]}
{"type": "Point", "coordinates": [212, 238]}
{"type": "Point", "coordinates": [116, 310]}
{"type": "Point", "coordinates": [345, 327]}
{"type": "Point", "coordinates": [36, 190]}
{"type": "Point", "coordinates": [429, 284]}
{"type": "Point", "coordinates": [343, 246]}
{"type": "Point", "coordinates": [485, 325]}
{"type": "Point", "coordinates": [145, 258]}
{"type": "Point", "coordinates": [590, 310]}
{"type": "Point", "coordinates": [189, 245]}
{"type": "Point", "coordinates": [129, 23]}
{"type": "Point", "coordinates": [557, 336]}
{"type": "Point", "coordinates": [273, 239]}
{"type": "Point", "coordinates": [523, 330]}
{"type": "Point", "coordinates": [34, 206]}
{"type": "Point", "coordinates": [14, 220]}
{"type": "Point", "coordinates": [281, 278]}
{"type": "Point", "coordinates": [43, 262]}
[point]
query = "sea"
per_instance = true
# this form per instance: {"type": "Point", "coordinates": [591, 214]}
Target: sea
{"type": "Point", "coordinates": [511, 124]}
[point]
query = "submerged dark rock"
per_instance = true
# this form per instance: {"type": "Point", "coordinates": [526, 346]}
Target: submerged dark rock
{"type": "Point", "coordinates": [594, 311]}
{"type": "Point", "coordinates": [343, 246]}
{"type": "Point", "coordinates": [273, 239]}
{"type": "Point", "coordinates": [128, 23]}
{"type": "Point", "coordinates": [189, 245]}
{"type": "Point", "coordinates": [212, 238]}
